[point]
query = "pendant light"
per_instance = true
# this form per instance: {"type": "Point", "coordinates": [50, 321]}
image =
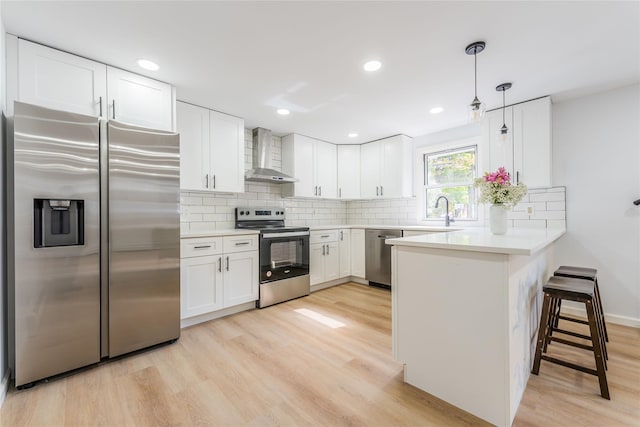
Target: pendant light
{"type": "Point", "coordinates": [504, 130]}
{"type": "Point", "coordinates": [476, 109]}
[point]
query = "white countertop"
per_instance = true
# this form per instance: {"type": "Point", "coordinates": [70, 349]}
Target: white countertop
{"type": "Point", "coordinates": [385, 227]}
{"type": "Point", "coordinates": [517, 241]}
{"type": "Point", "coordinates": [217, 233]}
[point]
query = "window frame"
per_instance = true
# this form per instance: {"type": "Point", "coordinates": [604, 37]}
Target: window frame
{"type": "Point", "coordinates": [453, 144]}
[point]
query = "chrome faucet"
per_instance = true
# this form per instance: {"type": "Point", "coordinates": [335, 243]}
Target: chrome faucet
{"type": "Point", "coordinates": [447, 220]}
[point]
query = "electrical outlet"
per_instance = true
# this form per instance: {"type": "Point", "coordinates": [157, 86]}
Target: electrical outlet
{"type": "Point", "coordinates": [530, 210]}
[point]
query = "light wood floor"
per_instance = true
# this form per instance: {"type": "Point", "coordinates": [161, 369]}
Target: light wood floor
{"type": "Point", "coordinates": [279, 367]}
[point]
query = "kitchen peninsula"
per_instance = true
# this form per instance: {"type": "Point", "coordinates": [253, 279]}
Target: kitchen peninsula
{"type": "Point", "coordinates": [466, 306]}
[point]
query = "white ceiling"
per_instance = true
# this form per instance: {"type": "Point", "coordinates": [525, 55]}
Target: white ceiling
{"type": "Point", "coordinates": [248, 58]}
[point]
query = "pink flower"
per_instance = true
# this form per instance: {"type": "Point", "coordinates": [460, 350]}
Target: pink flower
{"type": "Point", "coordinates": [500, 177]}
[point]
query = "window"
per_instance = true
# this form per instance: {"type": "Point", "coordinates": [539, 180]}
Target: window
{"type": "Point", "coordinates": [451, 173]}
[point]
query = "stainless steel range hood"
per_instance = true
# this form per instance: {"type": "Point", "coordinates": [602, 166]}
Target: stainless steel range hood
{"type": "Point", "coordinates": [262, 170]}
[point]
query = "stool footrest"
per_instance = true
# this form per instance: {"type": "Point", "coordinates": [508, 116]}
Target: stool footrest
{"type": "Point", "coordinates": [571, 343]}
{"type": "Point", "coordinates": [570, 365]}
{"type": "Point", "coordinates": [571, 319]}
{"type": "Point", "coordinates": [573, 334]}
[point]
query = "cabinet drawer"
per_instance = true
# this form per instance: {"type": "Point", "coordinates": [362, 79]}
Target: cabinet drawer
{"type": "Point", "coordinates": [324, 236]}
{"type": "Point", "coordinates": [242, 243]}
{"type": "Point", "coordinates": [200, 246]}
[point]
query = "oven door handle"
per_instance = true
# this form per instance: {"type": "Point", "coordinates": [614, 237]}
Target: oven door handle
{"type": "Point", "coordinates": [286, 234]}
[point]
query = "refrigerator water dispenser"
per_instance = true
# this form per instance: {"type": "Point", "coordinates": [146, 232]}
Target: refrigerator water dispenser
{"type": "Point", "coordinates": [58, 222]}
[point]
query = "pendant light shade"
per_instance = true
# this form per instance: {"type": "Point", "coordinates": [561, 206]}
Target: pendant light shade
{"type": "Point", "coordinates": [475, 110]}
{"type": "Point", "coordinates": [503, 132]}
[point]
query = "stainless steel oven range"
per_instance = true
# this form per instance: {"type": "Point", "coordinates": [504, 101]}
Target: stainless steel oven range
{"type": "Point", "coordinates": [284, 254]}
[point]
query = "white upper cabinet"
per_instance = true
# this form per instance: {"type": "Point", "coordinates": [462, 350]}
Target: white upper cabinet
{"type": "Point", "coordinates": [226, 135]}
{"type": "Point", "coordinates": [139, 100]}
{"type": "Point", "coordinates": [348, 171]}
{"type": "Point", "coordinates": [532, 142]}
{"type": "Point", "coordinates": [386, 168]}
{"type": "Point", "coordinates": [211, 149]}
{"type": "Point", "coordinates": [60, 81]}
{"type": "Point", "coordinates": [193, 127]}
{"type": "Point", "coordinates": [313, 163]}
{"type": "Point", "coordinates": [526, 152]}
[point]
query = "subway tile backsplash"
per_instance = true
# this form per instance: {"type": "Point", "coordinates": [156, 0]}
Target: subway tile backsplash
{"type": "Point", "coordinates": [540, 208]}
{"type": "Point", "coordinates": [202, 211]}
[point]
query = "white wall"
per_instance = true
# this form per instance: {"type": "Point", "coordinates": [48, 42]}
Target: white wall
{"type": "Point", "coordinates": [596, 155]}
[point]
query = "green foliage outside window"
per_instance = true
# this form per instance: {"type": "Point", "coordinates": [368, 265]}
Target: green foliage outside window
{"type": "Point", "coordinates": [452, 174]}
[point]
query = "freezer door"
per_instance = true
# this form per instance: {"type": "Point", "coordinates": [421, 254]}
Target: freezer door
{"type": "Point", "coordinates": [144, 237]}
{"type": "Point", "coordinates": [54, 241]}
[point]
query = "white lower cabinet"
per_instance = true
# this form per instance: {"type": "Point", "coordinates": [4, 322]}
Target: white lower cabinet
{"type": "Point", "coordinates": [217, 273]}
{"type": "Point", "coordinates": [344, 245]}
{"type": "Point", "coordinates": [201, 285]}
{"type": "Point", "coordinates": [357, 253]}
{"type": "Point", "coordinates": [324, 262]}
{"type": "Point", "coordinates": [324, 256]}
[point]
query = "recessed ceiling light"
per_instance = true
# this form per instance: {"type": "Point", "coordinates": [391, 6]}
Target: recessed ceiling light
{"type": "Point", "coordinates": [436, 110]}
{"type": "Point", "coordinates": [353, 135]}
{"type": "Point", "coordinates": [148, 65]}
{"type": "Point", "coordinates": [372, 65]}
{"type": "Point", "coordinates": [283, 111]}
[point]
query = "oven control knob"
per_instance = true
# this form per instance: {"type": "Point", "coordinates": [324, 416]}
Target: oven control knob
{"type": "Point", "coordinates": [281, 212]}
{"type": "Point", "coordinates": [269, 274]}
{"type": "Point", "coordinates": [241, 212]}
{"type": "Point", "coordinates": [277, 212]}
{"type": "Point", "coordinates": [246, 212]}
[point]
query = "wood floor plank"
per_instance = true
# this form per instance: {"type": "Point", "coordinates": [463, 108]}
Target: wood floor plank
{"type": "Point", "coordinates": [278, 367]}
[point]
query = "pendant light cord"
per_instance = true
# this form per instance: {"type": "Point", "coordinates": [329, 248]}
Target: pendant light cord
{"type": "Point", "coordinates": [503, 123]}
{"type": "Point", "coordinates": [475, 74]}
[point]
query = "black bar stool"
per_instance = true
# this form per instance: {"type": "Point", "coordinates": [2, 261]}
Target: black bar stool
{"type": "Point", "coordinates": [579, 290]}
{"type": "Point", "coordinates": [586, 274]}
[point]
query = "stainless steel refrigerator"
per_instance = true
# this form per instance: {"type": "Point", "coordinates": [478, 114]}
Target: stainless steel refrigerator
{"type": "Point", "coordinates": [94, 240]}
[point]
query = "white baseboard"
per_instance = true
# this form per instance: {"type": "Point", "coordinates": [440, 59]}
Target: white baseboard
{"type": "Point", "coordinates": [610, 318]}
{"type": "Point", "coordinates": [339, 281]}
{"type": "Point", "coordinates": [4, 387]}
{"type": "Point", "coordinates": [190, 321]}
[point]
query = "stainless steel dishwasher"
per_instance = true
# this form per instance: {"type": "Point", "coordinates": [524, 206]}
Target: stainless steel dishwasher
{"type": "Point", "coordinates": [378, 256]}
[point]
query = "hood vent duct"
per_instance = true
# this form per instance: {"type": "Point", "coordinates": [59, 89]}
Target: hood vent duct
{"type": "Point", "coordinates": [262, 170]}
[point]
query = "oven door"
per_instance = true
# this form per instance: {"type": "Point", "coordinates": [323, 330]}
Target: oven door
{"type": "Point", "coordinates": [283, 255]}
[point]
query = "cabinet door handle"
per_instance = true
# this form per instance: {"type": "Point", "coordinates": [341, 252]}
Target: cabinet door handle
{"type": "Point", "coordinates": [202, 247]}
{"type": "Point", "coordinates": [381, 191]}
{"type": "Point", "coordinates": [320, 188]}
{"type": "Point", "coordinates": [241, 243]}
{"type": "Point", "coordinates": [220, 264]}
{"type": "Point", "coordinates": [100, 103]}
{"type": "Point", "coordinates": [340, 192]}
{"type": "Point", "coordinates": [377, 193]}
{"type": "Point", "coordinates": [315, 191]}
{"type": "Point", "coordinates": [206, 177]}
{"type": "Point", "coordinates": [324, 236]}
{"type": "Point", "coordinates": [517, 177]}
{"type": "Point", "coordinates": [341, 235]}
{"type": "Point", "coordinates": [214, 181]}
{"type": "Point", "coordinates": [327, 249]}
{"type": "Point", "coordinates": [227, 263]}
{"type": "Point", "coordinates": [113, 108]}
{"type": "Point", "coordinates": [323, 250]}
